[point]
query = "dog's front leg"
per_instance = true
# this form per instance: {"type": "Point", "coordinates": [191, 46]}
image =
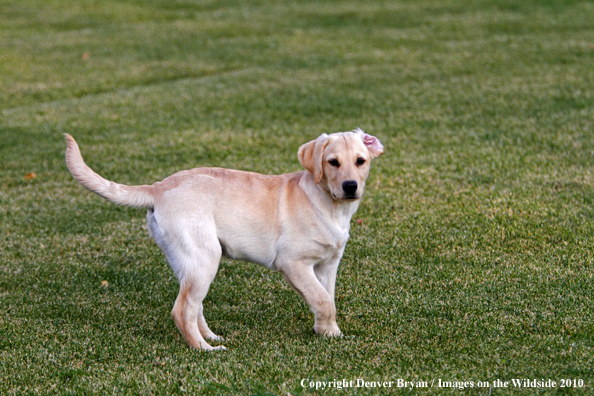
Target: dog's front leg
{"type": "Point", "coordinates": [326, 274]}
{"type": "Point", "coordinates": [302, 278]}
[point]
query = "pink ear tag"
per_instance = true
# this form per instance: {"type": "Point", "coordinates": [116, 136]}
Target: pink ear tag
{"type": "Point", "coordinates": [369, 140]}
{"type": "Point", "coordinates": [373, 145]}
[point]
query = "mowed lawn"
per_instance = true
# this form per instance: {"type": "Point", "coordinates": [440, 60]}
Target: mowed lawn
{"type": "Point", "coordinates": [471, 256]}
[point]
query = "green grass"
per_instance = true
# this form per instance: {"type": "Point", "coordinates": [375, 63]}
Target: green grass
{"type": "Point", "coordinates": [473, 257]}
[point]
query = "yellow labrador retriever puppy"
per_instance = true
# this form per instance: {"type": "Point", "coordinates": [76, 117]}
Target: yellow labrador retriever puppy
{"type": "Point", "coordinates": [296, 223]}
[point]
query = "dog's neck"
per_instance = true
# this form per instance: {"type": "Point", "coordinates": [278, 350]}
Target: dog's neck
{"type": "Point", "coordinates": [340, 211]}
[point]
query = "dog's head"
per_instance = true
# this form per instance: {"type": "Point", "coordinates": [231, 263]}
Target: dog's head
{"type": "Point", "coordinates": [340, 162]}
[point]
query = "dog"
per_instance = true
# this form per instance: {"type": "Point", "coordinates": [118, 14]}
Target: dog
{"type": "Point", "coordinates": [295, 223]}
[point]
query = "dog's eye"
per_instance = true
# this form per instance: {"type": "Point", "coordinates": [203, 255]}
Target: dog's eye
{"type": "Point", "coordinates": [360, 161]}
{"type": "Point", "coordinates": [334, 162]}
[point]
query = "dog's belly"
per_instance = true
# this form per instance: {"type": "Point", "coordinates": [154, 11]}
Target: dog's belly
{"type": "Point", "coordinates": [252, 248]}
{"type": "Point", "coordinates": [254, 254]}
{"type": "Point", "coordinates": [278, 255]}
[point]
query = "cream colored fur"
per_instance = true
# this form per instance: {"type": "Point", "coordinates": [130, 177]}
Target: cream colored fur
{"type": "Point", "coordinates": [297, 223]}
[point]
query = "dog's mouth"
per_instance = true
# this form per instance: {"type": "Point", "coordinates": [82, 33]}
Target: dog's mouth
{"type": "Point", "coordinates": [346, 197]}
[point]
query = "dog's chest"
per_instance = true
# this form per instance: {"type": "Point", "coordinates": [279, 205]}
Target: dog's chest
{"type": "Point", "coordinates": [325, 242]}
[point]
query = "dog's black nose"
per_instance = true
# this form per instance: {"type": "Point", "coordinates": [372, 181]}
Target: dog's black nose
{"type": "Point", "coordinates": [349, 187]}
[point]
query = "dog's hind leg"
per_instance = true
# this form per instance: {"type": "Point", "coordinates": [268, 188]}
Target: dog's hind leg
{"type": "Point", "coordinates": [188, 310]}
{"type": "Point", "coordinates": [205, 330]}
{"type": "Point", "coordinates": [197, 271]}
{"type": "Point", "coordinates": [194, 256]}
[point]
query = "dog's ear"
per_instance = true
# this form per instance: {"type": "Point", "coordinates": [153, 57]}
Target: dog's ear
{"type": "Point", "coordinates": [371, 142]}
{"type": "Point", "coordinates": [311, 155]}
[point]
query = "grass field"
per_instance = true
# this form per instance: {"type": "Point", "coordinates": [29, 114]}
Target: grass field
{"type": "Point", "coordinates": [472, 255]}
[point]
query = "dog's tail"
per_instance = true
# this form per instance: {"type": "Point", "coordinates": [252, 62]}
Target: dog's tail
{"type": "Point", "coordinates": [135, 196]}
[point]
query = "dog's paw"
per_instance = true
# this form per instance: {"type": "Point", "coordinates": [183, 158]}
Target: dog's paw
{"type": "Point", "coordinates": [203, 346]}
{"type": "Point", "coordinates": [333, 331]}
{"type": "Point", "coordinates": [219, 348]}
{"type": "Point", "coordinates": [209, 348]}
